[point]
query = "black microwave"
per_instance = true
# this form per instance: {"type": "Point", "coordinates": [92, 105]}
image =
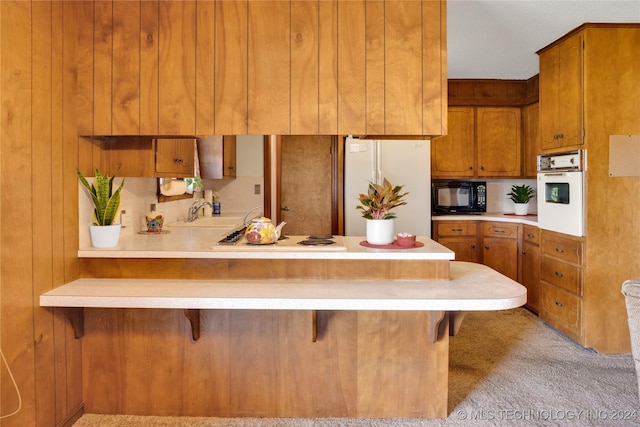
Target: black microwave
{"type": "Point", "coordinates": [458, 197]}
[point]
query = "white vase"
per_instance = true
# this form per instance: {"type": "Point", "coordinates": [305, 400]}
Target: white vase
{"type": "Point", "coordinates": [105, 236]}
{"type": "Point", "coordinates": [380, 231]}
{"type": "Point", "coordinates": [521, 208]}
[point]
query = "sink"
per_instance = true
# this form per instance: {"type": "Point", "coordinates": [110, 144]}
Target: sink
{"type": "Point", "coordinates": [210, 221]}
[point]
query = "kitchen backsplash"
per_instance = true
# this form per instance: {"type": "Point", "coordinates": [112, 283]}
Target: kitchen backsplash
{"type": "Point", "coordinates": [497, 200]}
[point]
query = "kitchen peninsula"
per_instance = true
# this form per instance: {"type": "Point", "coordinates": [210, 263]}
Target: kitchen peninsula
{"type": "Point", "coordinates": [279, 330]}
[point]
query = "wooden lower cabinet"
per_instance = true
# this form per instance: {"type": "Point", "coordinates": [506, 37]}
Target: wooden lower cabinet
{"type": "Point", "coordinates": [530, 263]}
{"type": "Point", "coordinates": [561, 280]}
{"type": "Point", "coordinates": [498, 246]}
{"type": "Point", "coordinates": [500, 242]}
{"type": "Point", "coordinates": [461, 237]}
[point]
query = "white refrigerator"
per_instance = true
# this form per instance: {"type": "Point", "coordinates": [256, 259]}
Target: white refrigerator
{"type": "Point", "coordinates": [402, 162]}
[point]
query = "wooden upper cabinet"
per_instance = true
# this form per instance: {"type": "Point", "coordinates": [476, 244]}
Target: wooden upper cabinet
{"type": "Point", "coordinates": [305, 67]}
{"type": "Point", "coordinates": [405, 78]}
{"type": "Point", "coordinates": [149, 42]}
{"type": "Point", "coordinates": [499, 142]}
{"type": "Point", "coordinates": [454, 155]}
{"type": "Point", "coordinates": [352, 79]}
{"type": "Point", "coordinates": [177, 63]}
{"type": "Point", "coordinates": [403, 68]}
{"type": "Point", "coordinates": [174, 157]}
{"type": "Point", "coordinates": [269, 67]}
{"type": "Point", "coordinates": [205, 37]}
{"type": "Point", "coordinates": [561, 97]}
{"type": "Point", "coordinates": [230, 73]}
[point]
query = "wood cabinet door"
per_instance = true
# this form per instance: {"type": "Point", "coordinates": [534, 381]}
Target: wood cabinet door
{"type": "Point", "coordinates": [149, 55]}
{"type": "Point", "coordinates": [269, 67]}
{"type": "Point", "coordinates": [499, 142]}
{"type": "Point", "coordinates": [205, 37]}
{"type": "Point", "coordinates": [453, 155]}
{"type": "Point", "coordinates": [351, 67]}
{"type": "Point", "coordinates": [466, 248]}
{"type": "Point", "coordinates": [230, 74]}
{"type": "Point", "coordinates": [531, 132]}
{"type": "Point", "coordinates": [531, 274]}
{"type": "Point", "coordinates": [561, 104]}
{"type": "Point", "coordinates": [305, 58]}
{"type": "Point", "coordinates": [501, 255]}
{"type": "Point", "coordinates": [175, 157]}
{"type": "Point", "coordinates": [176, 67]}
{"type": "Point", "coordinates": [402, 57]}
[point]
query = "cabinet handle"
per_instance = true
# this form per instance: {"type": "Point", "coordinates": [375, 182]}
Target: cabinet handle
{"type": "Point", "coordinates": [497, 230]}
{"type": "Point", "coordinates": [473, 246]}
{"type": "Point", "coordinates": [560, 250]}
{"type": "Point", "coordinates": [481, 167]}
{"type": "Point", "coordinates": [456, 229]}
{"type": "Point", "coordinates": [559, 304]}
{"type": "Point", "coordinates": [470, 168]}
{"type": "Point", "coordinates": [530, 236]}
{"type": "Point", "coordinates": [178, 160]}
{"type": "Point", "coordinates": [486, 247]}
{"type": "Point", "coordinates": [560, 275]}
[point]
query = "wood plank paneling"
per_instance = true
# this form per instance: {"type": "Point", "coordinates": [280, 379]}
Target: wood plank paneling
{"type": "Point", "coordinates": [264, 363]}
{"type": "Point", "coordinates": [149, 69]}
{"type": "Point", "coordinates": [403, 67]}
{"type": "Point", "coordinates": [328, 67]}
{"type": "Point", "coordinates": [205, 44]}
{"type": "Point", "coordinates": [375, 54]}
{"type": "Point", "coordinates": [434, 91]}
{"type": "Point", "coordinates": [351, 68]}
{"type": "Point", "coordinates": [269, 70]}
{"type": "Point", "coordinates": [16, 239]}
{"type": "Point", "coordinates": [305, 58]}
{"type": "Point", "coordinates": [126, 67]}
{"type": "Point", "coordinates": [41, 160]}
{"type": "Point", "coordinates": [177, 67]}
{"type": "Point", "coordinates": [102, 67]}
{"type": "Point", "coordinates": [231, 103]}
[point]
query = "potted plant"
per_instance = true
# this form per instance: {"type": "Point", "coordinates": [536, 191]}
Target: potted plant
{"type": "Point", "coordinates": [376, 208]}
{"type": "Point", "coordinates": [104, 233]}
{"type": "Point", "coordinates": [520, 195]}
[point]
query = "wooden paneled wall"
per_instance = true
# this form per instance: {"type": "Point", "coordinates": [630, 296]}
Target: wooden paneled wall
{"type": "Point", "coordinates": [45, 90]}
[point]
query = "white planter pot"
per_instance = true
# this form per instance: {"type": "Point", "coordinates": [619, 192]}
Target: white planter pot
{"type": "Point", "coordinates": [105, 236]}
{"type": "Point", "coordinates": [521, 208]}
{"type": "Point", "coordinates": [380, 231]}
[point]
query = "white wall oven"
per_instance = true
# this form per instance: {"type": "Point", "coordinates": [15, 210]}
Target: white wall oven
{"type": "Point", "coordinates": [561, 192]}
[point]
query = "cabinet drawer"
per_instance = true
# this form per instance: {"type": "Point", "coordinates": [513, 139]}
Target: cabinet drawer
{"type": "Point", "coordinates": [562, 248]}
{"type": "Point", "coordinates": [456, 228]}
{"type": "Point", "coordinates": [531, 234]}
{"type": "Point", "coordinates": [562, 310]}
{"type": "Point", "coordinates": [508, 231]}
{"type": "Point", "coordinates": [559, 273]}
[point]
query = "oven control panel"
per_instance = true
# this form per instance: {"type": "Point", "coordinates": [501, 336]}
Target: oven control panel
{"type": "Point", "coordinates": [567, 161]}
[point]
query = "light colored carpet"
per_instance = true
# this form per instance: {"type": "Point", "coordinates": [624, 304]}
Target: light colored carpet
{"type": "Point", "coordinates": [507, 368]}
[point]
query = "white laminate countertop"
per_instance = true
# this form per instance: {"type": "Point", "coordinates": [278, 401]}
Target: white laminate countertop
{"type": "Point", "coordinates": [490, 216]}
{"type": "Point", "coordinates": [471, 287]}
{"type": "Point", "coordinates": [201, 242]}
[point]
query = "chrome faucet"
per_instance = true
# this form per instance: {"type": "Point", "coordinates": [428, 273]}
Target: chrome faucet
{"type": "Point", "coordinates": [195, 208]}
{"type": "Point", "coordinates": [246, 218]}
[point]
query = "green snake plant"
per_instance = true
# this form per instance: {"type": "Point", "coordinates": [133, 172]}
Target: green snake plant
{"type": "Point", "coordinates": [105, 200]}
{"type": "Point", "coordinates": [380, 199]}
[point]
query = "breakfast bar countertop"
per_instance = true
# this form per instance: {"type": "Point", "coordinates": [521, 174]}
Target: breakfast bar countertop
{"type": "Point", "coordinates": [194, 243]}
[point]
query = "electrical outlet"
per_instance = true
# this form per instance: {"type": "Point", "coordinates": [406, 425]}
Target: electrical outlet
{"type": "Point", "coordinates": [126, 219]}
{"type": "Point", "coordinates": [256, 189]}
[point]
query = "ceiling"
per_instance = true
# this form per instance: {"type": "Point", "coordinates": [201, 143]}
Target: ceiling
{"type": "Point", "coordinates": [489, 39]}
